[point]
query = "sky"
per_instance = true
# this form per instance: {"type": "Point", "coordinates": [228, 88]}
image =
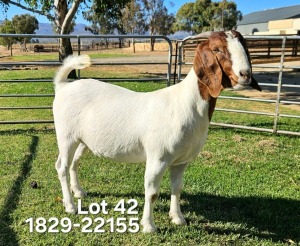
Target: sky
{"type": "Point", "coordinates": [245, 6]}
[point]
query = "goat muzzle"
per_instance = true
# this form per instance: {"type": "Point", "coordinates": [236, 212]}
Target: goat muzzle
{"type": "Point", "coordinates": [254, 84]}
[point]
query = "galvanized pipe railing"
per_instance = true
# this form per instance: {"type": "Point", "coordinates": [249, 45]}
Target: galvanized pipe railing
{"type": "Point", "coordinates": [79, 38]}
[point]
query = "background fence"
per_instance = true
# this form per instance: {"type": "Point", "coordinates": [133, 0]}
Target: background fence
{"type": "Point", "coordinates": [77, 42]}
{"type": "Point", "coordinates": [269, 55]}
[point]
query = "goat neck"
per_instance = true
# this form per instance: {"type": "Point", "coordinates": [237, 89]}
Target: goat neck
{"type": "Point", "coordinates": [198, 94]}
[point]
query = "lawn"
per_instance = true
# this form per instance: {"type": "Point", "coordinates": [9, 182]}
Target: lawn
{"type": "Point", "coordinates": [242, 189]}
{"type": "Point", "coordinates": [54, 56]}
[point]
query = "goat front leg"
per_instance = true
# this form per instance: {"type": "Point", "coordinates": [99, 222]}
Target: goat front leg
{"type": "Point", "coordinates": [74, 181]}
{"type": "Point", "coordinates": [176, 176]}
{"type": "Point", "coordinates": [153, 176]}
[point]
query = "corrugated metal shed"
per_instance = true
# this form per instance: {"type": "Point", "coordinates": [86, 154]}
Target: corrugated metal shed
{"type": "Point", "coordinates": [271, 14]}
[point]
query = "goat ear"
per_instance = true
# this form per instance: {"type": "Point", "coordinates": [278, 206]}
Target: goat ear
{"type": "Point", "coordinates": [208, 69]}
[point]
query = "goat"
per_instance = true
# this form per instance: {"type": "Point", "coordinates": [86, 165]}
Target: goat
{"type": "Point", "coordinates": [166, 128]}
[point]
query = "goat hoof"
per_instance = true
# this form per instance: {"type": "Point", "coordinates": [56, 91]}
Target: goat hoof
{"type": "Point", "coordinates": [80, 194]}
{"type": "Point", "coordinates": [149, 229]}
{"type": "Point", "coordinates": [70, 208]}
{"type": "Point", "coordinates": [178, 221]}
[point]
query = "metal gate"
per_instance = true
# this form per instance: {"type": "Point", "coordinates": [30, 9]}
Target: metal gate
{"type": "Point", "coordinates": [180, 60]}
{"type": "Point", "coordinates": [78, 40]}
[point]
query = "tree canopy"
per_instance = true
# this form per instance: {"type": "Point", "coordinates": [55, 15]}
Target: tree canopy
{"type": "Point", "coordinates": [7, 28]}
{"type": "Point", "coordinates": [134, 17]}
{"type": "Point", "coordinates": [205, 15]}
{"type": "Point", "coordinates": [61, 13]}
{"type": "Point", "coordinates": [25, 24]}
{"type": "Point", "coordinates": [20, 24]}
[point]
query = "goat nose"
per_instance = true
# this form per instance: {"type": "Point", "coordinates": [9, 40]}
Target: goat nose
{"type": "Point", "coordinates": [245, 74]}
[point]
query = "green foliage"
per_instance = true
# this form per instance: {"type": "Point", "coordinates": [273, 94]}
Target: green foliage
{"type": "Point", "coordinates": [206, 15]}
{"type": "Point", "coordinates": [20, 24]}
{"type": "Point", "coordinates": [7, 28]}
{"type": "Point", "coordinates": [132, 19]}
{"type": "Point", "coordinates": [135, 16]}
{"type": "Point", "coordinates": [104, 16]}
{"type": "Point", "coordinates": [184, 18]}
{"type": "Point", "coordinates": [158, 19]}
{"type": "Point", "coordinates": [25, 24]}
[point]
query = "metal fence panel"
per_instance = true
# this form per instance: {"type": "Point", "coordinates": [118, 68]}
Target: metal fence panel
{"type": "Point", "coordinates": [78, 39]}
{"type": "Point", "coordinates": [289, 47]}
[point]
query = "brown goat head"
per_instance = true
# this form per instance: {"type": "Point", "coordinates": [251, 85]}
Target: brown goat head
{"type": "Point", "coordinates": [224, 61]}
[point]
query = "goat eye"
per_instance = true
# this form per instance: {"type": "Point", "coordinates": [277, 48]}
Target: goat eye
{"type": "Point", "coordinates": [216, 50]}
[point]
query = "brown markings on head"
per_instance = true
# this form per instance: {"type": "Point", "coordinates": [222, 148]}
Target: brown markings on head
{"type": "Point", "coordinates": [213, 67]}
{"type": "Point", "coordinates": [211, 78]}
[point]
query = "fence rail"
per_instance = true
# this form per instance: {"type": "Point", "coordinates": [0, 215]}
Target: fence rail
{"type": "Point", "coordinates": [289, 47]}
{"type": "Point", "coordinates": [79, 46]}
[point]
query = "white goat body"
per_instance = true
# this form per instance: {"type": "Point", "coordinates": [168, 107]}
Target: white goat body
{"type": "Point", "coordinates": [165, 128]}
{"type": "Point", "coordinates": [129, 126]}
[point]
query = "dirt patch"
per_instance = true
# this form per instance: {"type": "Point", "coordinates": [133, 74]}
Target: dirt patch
{"type": "Point", "coordinates": [238, 138]}
{"type": "Point", "coordinates": [267, 143]}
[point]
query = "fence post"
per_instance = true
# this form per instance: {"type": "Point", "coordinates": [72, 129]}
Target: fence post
{"type": "Point", "coordinates": [78, 52]}
{"type": "Point", "coordinates": [175, 63]}
{"type": "Point", "coordinates": [279, 85]}
{"type": "Point", "coordinates": [180, 51]}
{"type": "Point", "coordinates": [169, 62]}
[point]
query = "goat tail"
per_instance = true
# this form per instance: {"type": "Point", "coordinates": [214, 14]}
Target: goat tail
{"type": "Point", "coordinates": [69, 64]}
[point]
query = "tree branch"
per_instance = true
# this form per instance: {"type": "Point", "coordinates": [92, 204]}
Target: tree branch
{"type": "Point", "coordinates": [49, 17]}
{"type": "Point", "coordinates": [70, 15]}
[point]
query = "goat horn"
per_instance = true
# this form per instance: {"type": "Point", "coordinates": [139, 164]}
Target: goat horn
{"type": "Point", "coordinates": [201, 35]}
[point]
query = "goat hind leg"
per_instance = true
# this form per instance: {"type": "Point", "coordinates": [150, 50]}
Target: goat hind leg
{"type": "Point", "coordinates": [62, 166]}
{"type": "Point", "coordinates": [176, 176]}
{"type": "Point", "coordinates": [74, 181]}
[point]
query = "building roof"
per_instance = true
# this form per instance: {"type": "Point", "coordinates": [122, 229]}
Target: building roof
{"type": "Point", "coordinates": [270, 15]}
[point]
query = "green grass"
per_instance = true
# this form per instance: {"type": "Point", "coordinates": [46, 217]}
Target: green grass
{"type": "Point", "coordinates": [54, 56]}
{"type": "Point", "coordinates": [243, 189]}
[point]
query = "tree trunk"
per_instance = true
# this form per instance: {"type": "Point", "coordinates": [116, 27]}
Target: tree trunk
{"type": "Point", "coordinates": [133, 45]}
{"type": "Point", "coordinates": [152, 42]}
{"type": "Point", "coordinates": [65, 47]}
{"type": "Point", "coordinates": [65, 50]}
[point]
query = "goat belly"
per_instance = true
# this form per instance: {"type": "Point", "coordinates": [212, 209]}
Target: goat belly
{"type": "Point", "coordinates": [117, 146]}
{"type": "Point", "coordinates": [113, 133]}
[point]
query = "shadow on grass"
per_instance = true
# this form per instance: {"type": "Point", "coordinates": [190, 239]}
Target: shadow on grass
{"type": "Point", "coordinates": [275, 219]}
{"type": "Point", "coordinates": [32, 131]}
{"type": "Point", "coordinates": [7, 234]}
